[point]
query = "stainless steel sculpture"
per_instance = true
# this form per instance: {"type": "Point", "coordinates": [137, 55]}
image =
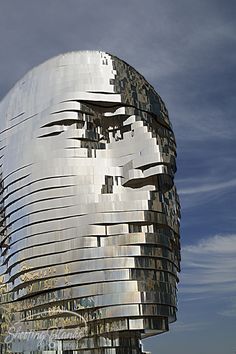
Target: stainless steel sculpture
{"type": "Point", "coordinates": [89, 211]}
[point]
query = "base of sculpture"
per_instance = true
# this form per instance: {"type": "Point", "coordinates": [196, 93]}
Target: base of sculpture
{"type": "Point", "coordinates": [95, 345]}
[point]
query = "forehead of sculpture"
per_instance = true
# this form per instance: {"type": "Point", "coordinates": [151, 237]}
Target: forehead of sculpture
{"type": "Point", "coordinates": [84, 76]}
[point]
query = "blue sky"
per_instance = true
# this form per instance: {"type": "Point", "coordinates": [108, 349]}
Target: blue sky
{"type": "Point", "coordinates": [187, 50]}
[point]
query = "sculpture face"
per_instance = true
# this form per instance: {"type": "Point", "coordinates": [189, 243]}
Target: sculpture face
{"type": "Point", "coordinates": [90, 211]}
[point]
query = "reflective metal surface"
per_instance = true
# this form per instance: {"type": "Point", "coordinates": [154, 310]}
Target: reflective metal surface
{"type": "Point", "coordinates": [89, 210]}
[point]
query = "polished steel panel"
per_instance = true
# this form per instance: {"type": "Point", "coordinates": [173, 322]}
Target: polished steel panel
{"type": "Point", "coordinates": [89, 210]}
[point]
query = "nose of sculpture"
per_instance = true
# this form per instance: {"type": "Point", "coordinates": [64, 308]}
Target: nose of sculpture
{"type": "Point", "coordinates": [152, 164]}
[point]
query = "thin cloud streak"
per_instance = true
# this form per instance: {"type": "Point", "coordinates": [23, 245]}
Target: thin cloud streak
{"type": "Point", "coordinates": [207, 188]}
{"type": "Point", "coordinates": [209, 267]}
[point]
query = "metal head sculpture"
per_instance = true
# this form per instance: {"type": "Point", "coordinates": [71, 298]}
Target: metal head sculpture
{"type": "Point", "coordinates": [89, 210]}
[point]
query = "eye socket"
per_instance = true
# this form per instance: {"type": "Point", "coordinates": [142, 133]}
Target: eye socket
{"type": "Point", "coordinates": [122, 129]}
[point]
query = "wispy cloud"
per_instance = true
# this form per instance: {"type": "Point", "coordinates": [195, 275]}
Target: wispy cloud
{"type": "Point", "coordinates": [230, 310]}
{"type": "Point", "coordinates": [211, 188]}
{"type": "Point", "coordinates": [209, 268]}
{"type": "Point", "coordinates": [207, 187]}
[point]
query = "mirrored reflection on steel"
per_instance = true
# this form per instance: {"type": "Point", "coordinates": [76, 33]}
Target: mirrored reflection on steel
{"type": "Point", "coordinates": [89, 209]}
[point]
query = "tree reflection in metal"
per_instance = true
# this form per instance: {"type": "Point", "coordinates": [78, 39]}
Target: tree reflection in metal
{"type": "Point", "coordinates": [89, 210]}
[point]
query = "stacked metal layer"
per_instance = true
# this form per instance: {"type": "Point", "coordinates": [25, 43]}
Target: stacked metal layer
{"type": "Point", "coordinates": [89, 210]}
